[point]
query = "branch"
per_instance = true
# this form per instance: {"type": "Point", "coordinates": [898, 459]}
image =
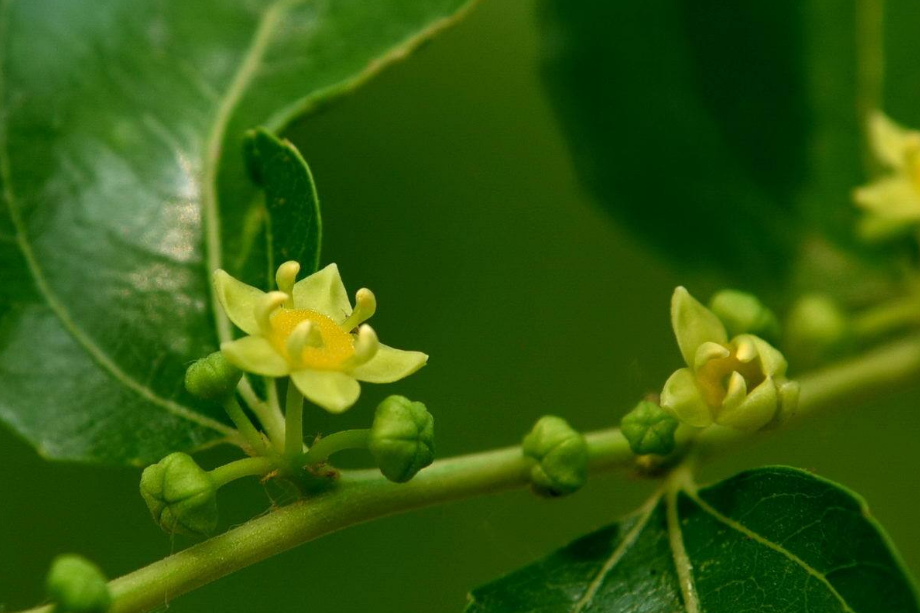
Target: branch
{"type": "Point", "coordinates": [365, 495]}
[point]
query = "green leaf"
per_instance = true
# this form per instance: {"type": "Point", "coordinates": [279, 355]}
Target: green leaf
{"type": "Point", "coordinates": [727, 135]}
{"type": "Point", "coordinates": [771, 539]}
{"type": "Point", "coordinates": [293, 227]}
{"type": "Point", "coordinates": [124, 186]}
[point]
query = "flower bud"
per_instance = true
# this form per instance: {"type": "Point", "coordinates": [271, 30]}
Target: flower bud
{"type": "Point", "coordinates": [744, 313]}
{"type": "Point", "coordinates": [181, 496]}
{"type": "Point", "coordinates": [649, 429]}
{"type": "Point", "coordinates": [816, 329]}
{"type": "Point", "coordinates": [212, 378]}
{"type": "Point", "coordinates": [401, 438]}
{"type": "Point", "coordinates": [561, 456]}
{"type": "Point", "coordinates": [76, 585]}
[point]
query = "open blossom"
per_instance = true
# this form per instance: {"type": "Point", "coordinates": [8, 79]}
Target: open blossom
{"type": "Point", "coordinates": [894, 198]}
{"type": "Point", "coordinates": [309, 331]}
{"type": "Point", "coordinates": [740, 383]}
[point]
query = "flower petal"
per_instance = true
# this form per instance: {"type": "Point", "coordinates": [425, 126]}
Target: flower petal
{"type": "Point", "coordinates": [239, 301]}
{"type": "Point", "coordinates": [788, 400]}
{"type": "Point", "coordinates": [709, 351]}
{"type": "Point", "coordinates": [256, 355]}
{"type": "Point", "coordinates": [893, 197]}
{"type": "Point", "coordinates": [390, 365]}
{"type": "Point", "coordinates": [694, 324]}
{"type": "Point", "coordinates": [333, 390]}
{"type": "Point", "coordinates": [681, 398]}
{"type": "Point", "coordinates": [772, 361]}
{"type": "Point", "coordinates": [891, 142]}
{"type": "Point", "coordinates": [323, 292]}
{"type": "Point", "coordinates": [755, 412]}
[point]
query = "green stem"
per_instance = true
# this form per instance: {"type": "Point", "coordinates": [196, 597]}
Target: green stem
{"type": "Point", "coordinates": [244, 425]}
{"type": "Point", "coordinates": [887, 318]}
{"type": "Point", "coordinates": [364, 495]}
{"type": "Point", "coordinates": [895, 363]}
{"type": "Point", "coordinates": [268, 413]}
{"type": "Point", "coordinates": [293, 422]}
{"type": "Point", "coordinates": [326, 446]}
{"type": "Point", "coordinates": [247, 467]}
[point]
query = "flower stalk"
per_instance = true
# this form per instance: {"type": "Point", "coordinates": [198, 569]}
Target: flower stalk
{"type": "Point", "coordinates": [293, 422]}
{"type": "Point", "coordinates": [247, 467]}
{"type": "Point", "coordinates": [245, 426]}
{"type": "Point", "coordinates": [338, 441]}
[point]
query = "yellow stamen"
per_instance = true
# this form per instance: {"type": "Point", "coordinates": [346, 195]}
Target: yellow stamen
{"type": "Point", "coordinates": [285, 278]}
{"type": "Point", "coordinates": [366, 345]}
{"type": "Point", "coordinates": [265, 307]}
{"type": "Point", "coordinates": [365, 307]}
{"type": "Point", "coordinates": [714, 376]}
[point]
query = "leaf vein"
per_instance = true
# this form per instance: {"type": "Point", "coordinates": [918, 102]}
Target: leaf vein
{"type": "Point", "coordinates": [682, 563]}
{"type": "Point", "coordinates": [731, 523]}
{"type": "Point", "coordinates": [213, 150]}
{"type": "Point", "coordinates": [617, 555]}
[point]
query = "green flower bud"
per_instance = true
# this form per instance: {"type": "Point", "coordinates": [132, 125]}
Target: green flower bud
{"type": "Point", "coordinates": [181, 496]}
{"type": "Point", "coordinates": [212, 378]}
{"type": "Point", "coordinates": [743, 313]}
{"type": "Point", "coordinates": [402, 438]}
{"type": "Point", "coordinates": [816, 329]}
{"type": "Point", "coordinates": [649, 429]}
{"type": "Point", "coordinates": [561, 456]}
{"type": "Point", "coordinates": [76, 585]}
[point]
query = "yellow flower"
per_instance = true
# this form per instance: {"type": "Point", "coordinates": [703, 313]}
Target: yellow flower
{"type": "Point", "coordinates": [893, 199]}
{"type": "Point", "coordinates": [740, 383]}
{"type": "Point", "coordinates": [309, 331]}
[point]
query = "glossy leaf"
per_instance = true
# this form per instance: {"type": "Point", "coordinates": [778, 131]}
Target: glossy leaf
{"type": "Point", "coordinates": [773, 539]}
{"type": "Point", "coordinates": [124, 186]}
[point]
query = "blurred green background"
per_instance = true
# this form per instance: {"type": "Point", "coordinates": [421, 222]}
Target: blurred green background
{"type": "Point", "coordinates": [448, 187]}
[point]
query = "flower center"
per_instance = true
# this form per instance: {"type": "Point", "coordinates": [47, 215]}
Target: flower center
{"type": "Point", "coordinates": [912, 161]}
{"type": "Point", "coordinates": [336, 348]}
{"type": "Point", "coordinates": [713, 376]}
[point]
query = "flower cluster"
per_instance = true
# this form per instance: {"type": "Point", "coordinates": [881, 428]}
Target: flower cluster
{"type": "Point", "coordinates": [739, 382]}
{"type": "Point", "coordinates": [309, 331]}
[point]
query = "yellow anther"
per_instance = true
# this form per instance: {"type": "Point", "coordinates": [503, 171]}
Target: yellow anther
{"type": "Point", "coordinates": [365, 307]}
{"type": "Point", "coordinates": [366, 345]}
{"type": "Point", "coordinates": [746, 350]}
{"type": "Point", "coordinates": [285, 278]}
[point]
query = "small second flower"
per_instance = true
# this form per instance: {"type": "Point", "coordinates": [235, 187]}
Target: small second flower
{"type": "Point", "coordinates": [739, 383]}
